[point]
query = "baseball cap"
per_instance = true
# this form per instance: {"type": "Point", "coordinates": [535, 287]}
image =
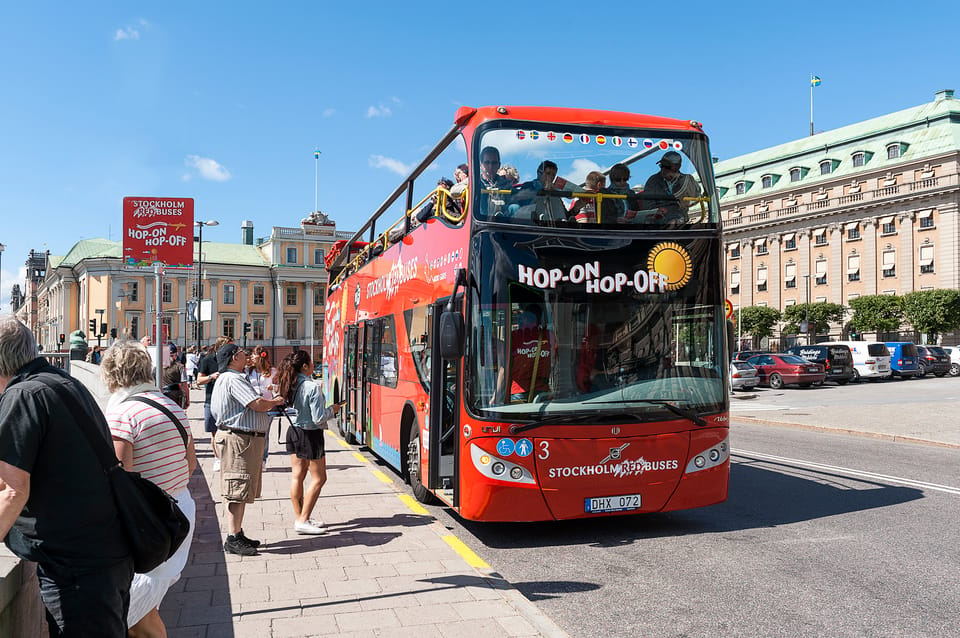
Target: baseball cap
{"type": "Point", "coordinates": [671, 158]}
{"type": "Point", "coordinates": [225, 354]}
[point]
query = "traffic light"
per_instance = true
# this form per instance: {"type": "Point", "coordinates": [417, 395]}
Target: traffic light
{"type": "Point", "coordinates": [93, 327]}
{"type": "Point", "coordinates": [63, 337]}
{"type": "Point", "coordinates": [246, 327]}
{"type": "Point", "coordinates": [113, 333]}
{"type": "Point", "coordinates": [103, 329]}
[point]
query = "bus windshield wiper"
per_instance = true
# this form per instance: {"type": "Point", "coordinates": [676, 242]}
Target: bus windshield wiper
{"type": "Point", "coordinates": [686, 413]}
{"type": "Point", "coordinates": [577, 417]}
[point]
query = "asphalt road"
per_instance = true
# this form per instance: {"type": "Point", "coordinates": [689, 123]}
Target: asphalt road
{"type": "Point", "coordinates": [824, 534]}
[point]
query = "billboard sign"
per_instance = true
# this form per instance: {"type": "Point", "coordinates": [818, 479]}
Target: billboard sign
{"type": "Point", "coordinates": [158, 229]}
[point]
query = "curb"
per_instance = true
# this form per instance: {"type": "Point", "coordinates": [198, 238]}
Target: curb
{"type": "Point", "coordinates": [897, 438]}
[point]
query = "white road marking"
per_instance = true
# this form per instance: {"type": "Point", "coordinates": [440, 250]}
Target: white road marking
{"type": "Point", "coordinates": [759, 456]}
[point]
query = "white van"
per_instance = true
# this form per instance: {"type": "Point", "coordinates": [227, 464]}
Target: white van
{"type": "Point", "coordinates": [871, 359]}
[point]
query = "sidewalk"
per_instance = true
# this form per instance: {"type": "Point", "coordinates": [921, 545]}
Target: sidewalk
{"type": "Point", "coordinates": [384, 568]}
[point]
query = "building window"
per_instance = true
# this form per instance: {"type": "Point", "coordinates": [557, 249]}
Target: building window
{"type": "Point", "coordinates": [888, 228]}
{"type": "Point", "coordinates": [796, 174]}
{"type": "Point", "coordinates": [135, 327]}
{"type": "Point", "coordinates": [318, 256]}
{"type": "Point", "coordinates": [893, 151]}
{"type": "Point", "coordinates": [826, 167]}
{"type": "Point", "coordinates": [859, 159]}
{"type": "Point", "coordinates": [853, 268]}
{"type": "Point", "coordinates": [766, 181]}
{"type": "Point", "coordinates": [735, 282]}
{"type": "Point", "coordinates": [134, 291]}
{"type": "Point", "coordinates": [741, 188]}
{"type": "Point", "coordinates": [167, 292]}
{"type": "Point", "coordinates": [258, 296]}
{"type": "Point", "coordinates": [790, 276]}
{"type": "Point", "coordinates": [790, 243]}
{"type": "Point", "coordinates": [317, 296]}
{"type": "Point", "coordinates": [166, 327]}
{"type": "Point", "coordinates": [926, 258]}
{"type": "Point", "coordinates": [926, 221]}
{"type": "Point", "coordinates": [820, 239]}
{"type": "Point", "coordinates": [889, 263]}
{"type": "Point", "coordinates": [317, 329]}
{"type": "Point", "coordinates": [762, 248]}
{"type": "Point", "coordinates": [259, 329]}
{"type": "Point", "coordinates": [735, 252]}
{"type": "Point", "coordinates": [853, 232]}
{"type": "Point", "coordinates": [890, 272]}
{"type": "Point", "coordinates": [229, 294]}
{"type": "Point", "coordinates": [291, 332]}
{"type": "Point", "coordinates": [291, 255]}
{"type": "Point", "coordinates": [291, 295]}
{"type": "Point", "coordinates": [761, 279]}
{"type": "Point", "coordinates": [229, 327]}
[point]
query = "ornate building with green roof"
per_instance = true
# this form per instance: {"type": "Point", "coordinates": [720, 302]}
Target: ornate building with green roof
{"type": "Point", "coordinates": [866, 209]}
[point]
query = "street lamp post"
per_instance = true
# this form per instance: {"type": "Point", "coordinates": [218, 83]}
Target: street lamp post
{"type": "Point", "coordinates": [200, 226]}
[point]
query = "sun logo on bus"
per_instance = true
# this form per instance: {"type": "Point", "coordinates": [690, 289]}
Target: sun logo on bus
{"type": "Point", "coordinates": [673, 262]}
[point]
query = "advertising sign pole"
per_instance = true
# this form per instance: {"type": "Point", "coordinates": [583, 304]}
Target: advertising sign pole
{"type": "Point", "coordinates": [158, 283]}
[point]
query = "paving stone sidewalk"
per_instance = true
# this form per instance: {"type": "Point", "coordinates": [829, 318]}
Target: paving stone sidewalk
{"type": "Point", "coordinates": [385, 567]}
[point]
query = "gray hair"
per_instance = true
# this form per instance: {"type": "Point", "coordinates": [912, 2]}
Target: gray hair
{"type": "Point", "coordinates": [18, 346]}
{"type": "Point", "coordinates": [126, 364]}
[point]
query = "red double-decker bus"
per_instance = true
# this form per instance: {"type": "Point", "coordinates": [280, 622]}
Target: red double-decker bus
{"type": "Point", "coordinates": [545, 340]}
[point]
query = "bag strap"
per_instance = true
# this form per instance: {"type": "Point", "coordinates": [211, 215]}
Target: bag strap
{"type": "Point", "coordinates": [162, 408]}
{"type": "Point", "coordinates": [104, 453]}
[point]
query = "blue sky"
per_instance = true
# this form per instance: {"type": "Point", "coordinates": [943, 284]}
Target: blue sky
{"type": "Point", "coordinates": [226, 102]}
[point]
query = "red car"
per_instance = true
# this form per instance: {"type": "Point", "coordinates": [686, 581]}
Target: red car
{"type": "Point", "coordinates": [778, 370]}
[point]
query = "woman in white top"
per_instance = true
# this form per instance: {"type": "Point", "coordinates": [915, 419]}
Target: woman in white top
{"type": "Point", "coordinates": [262, 377]}
{"type": "Point", "coordinates": [148, 442]}
{"type": "Point", "coordinates": [193, 361]}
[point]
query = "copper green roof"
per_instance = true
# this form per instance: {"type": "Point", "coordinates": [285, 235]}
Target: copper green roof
{"type": "Point", "coordinates": [213, 252]}
{"type": "Point", "coordinates": [927, 130]}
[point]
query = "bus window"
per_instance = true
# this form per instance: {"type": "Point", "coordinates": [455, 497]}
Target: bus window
{"type": "Point", "coordinates": [593, 177]}
{"type": "Point", "coordinates": [417, 321]}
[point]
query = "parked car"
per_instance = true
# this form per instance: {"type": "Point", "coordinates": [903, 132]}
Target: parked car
{"type": "Point", "coordinates": [837, 360]}
{"type": "Point", "coordinates": [871, 359]}
{"type": "Point", "coordinates": [904, 359]}
{"type": "Point", "coordinates": [954, 353]}
{"type": "Point", "coordinates": [779, 369]}
{"type": "Point", "coordinates": [743, 376]}
{"type": "Point", "coordinates": [744, 355]}
{"type": "Point", "coordinates": [933, 359]}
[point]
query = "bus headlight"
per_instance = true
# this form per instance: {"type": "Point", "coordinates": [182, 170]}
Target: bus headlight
{"type": "Point", "coordinates": [497, 468]}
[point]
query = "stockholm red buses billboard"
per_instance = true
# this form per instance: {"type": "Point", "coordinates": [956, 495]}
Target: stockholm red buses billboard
{"type": "Point", "coordinates": [158, 229]}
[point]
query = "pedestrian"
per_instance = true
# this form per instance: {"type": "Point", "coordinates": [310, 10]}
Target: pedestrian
{"type": "Point", "coordinates": [262, 376]}
{"type": "Point", "coordinates": [56, 505]}
{"type": "Point", "coordinates": [305, 438]}
{"type": "Point", "coordinates": [193, 359]}
{"type": "Point", "coordinates": [207, 373]}
{"type": "Point", "coordinates": [242, 421]}
{"type": "Point", "coordinates": [147, 441]}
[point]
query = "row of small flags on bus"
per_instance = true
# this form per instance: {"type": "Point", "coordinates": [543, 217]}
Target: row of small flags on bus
{"type": "Point", "coordinates": [601, 140]}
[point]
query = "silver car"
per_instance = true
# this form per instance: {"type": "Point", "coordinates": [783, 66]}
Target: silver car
{"type": "Point", "coordinates": [743, 376]}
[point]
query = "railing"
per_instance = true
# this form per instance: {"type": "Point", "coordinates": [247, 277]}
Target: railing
{"type": "Point", "coordinates": [853, 198]}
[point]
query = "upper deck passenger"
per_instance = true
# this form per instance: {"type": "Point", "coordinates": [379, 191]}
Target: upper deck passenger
{"type": "Point", "coordinates": [672, 185]}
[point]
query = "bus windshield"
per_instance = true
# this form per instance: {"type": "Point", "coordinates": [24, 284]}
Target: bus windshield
{"type": "Point", "coordinates": [592, 326]}
{"type": "Point", "coordinates": [593, 177]}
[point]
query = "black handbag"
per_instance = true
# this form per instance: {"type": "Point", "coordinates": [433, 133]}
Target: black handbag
{"type": "Point", "coordinates": [154, 524]}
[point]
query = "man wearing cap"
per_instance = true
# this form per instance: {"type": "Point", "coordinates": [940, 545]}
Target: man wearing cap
{"type": "Point", "coordinates": [665, 190]}
{"type": "Point", "coordinates": [242, 422]}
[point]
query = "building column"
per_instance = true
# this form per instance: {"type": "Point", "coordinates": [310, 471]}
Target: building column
{"type": "Point", "coordinates": [775, 276]}
{"type": "Point", "coordinates": [868, 260]}
{"type": "Point", "coordinates": [747, 276]}
{"type": "Point", "coordinates": [948, 245]}
{"type": "Point", "coordinates": [278, 320]}
{"type": "Point", "coordinates": [907, 262]}
{"type": "Point", "coordinates": [244, 288]}
{"type": "Point", "coordinates": [837, 269]}
{"type": "Point", "coordinates": [214, 327]}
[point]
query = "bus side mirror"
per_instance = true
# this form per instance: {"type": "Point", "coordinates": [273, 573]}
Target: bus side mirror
{"type": "Point", "coordinates": [451, 335]}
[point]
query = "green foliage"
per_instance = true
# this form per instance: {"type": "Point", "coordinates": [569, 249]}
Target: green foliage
{"type": "Point", "coordinates": [759, 320]}
{"type": "Point", "coordinates": [820, 316]}
{"type": "Point", "coordinates": [932, 311]}
{"type": "Point", "coordinates": [879, 313]}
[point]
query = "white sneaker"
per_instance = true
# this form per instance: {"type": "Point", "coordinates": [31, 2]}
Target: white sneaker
{"type": "Point", "coordinates": [308, 528]}
{"type": "Point", "coordinates": [216, 465]}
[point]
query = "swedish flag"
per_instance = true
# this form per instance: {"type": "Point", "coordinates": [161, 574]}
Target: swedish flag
{"type": "Point", "coordinates": [815, 80]}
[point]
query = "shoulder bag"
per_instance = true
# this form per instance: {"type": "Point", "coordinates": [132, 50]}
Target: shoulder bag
{"type": "Point", "coordinates": [155, 527]}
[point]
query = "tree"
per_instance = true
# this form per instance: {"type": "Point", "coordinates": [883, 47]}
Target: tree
{"type": "Point", "coordinates": [932, 311]}
{"type": "Point", "coordinates": [759, 321]}
{"type": "Point", "coordinates": [820, 316]}
{"type": "Point", "coordinates": [878, 313]}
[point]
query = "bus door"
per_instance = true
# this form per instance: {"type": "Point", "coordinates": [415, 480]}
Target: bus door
{"type": "Point", "coordinates": [369, 340]}
{"type": "Point", "coordinates": [352, 381]}
{"type": "Point", "coordinates": [442, 474]}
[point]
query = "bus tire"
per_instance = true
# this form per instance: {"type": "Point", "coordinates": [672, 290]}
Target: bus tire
{"type": "Point", "coordinates": [420, 492]}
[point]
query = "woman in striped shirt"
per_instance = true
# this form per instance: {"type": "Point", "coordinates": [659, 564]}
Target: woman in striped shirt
{"type": "Point", "coordinates": [147, 441]}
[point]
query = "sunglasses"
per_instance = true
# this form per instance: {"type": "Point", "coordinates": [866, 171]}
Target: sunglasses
{"type": "Point", "coordinates": [620, 179]}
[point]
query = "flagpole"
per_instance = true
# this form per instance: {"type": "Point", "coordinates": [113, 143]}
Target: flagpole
{"type": "Point", "coordinates": [811, 104]}
{"type": "Point", "coordinates": [316, 174]}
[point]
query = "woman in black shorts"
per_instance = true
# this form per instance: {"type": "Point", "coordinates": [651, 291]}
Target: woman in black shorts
{"type": "Point", "coordinates": [305, 437]}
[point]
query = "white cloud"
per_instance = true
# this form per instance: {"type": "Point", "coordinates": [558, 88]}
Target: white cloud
{"type": "Point", "coordinates": [206, 168]}
{"type": "Point", "coordinates": [580, 168]}
{"type": "Point", "coordinates": [128, 33]}
{"type": "Point", "coordinates": [379, 111]}
{"type": "Point", "coordinates": [329, 112]}
{"type": "Point", "coordinates": [392, 165]}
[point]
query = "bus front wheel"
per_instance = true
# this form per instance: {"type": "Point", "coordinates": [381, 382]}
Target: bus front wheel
{"type": "Point", "coordinates": [420, 492]}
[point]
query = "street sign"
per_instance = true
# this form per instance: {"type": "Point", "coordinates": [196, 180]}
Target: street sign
{"type": "Point", "coordinates": [728, 308]}
{"type": "Point", "coordinates": [158, 229]}
{"type": "Point", "coordinates": [191, 311]}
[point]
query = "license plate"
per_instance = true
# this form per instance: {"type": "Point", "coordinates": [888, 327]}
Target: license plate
{"type": "Point", "coordinates": [600, 504]}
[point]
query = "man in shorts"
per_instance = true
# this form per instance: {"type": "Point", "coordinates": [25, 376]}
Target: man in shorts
{"type": "Point", "coordinates": [242, 422]}
{"type": "Point", "coordinates": [207, 377]}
